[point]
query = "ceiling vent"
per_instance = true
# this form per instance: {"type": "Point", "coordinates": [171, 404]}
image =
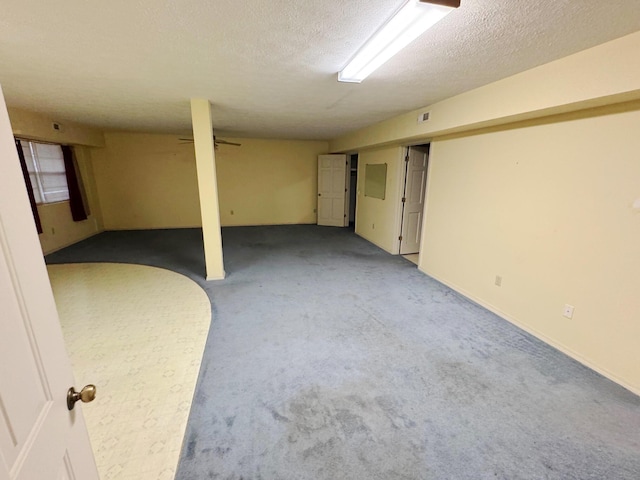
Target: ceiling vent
{"type": "Point", "coordinates": [424, 117]}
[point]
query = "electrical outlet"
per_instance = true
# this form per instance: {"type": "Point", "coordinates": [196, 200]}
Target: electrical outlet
{"type": "Point", "coordinates": [498, 281]}
{"type": "Point", "coordinates": [231, 212]}
{"type": "Point", "coordinates": [568, 311]}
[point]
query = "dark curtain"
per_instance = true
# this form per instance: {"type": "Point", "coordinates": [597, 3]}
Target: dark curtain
{"type": "Point", "coordinates": [27, 181]}
{"type": "Point", "coordinates": [78, 212]}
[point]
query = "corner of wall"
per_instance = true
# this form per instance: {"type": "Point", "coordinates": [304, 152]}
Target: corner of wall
{"type": "Point", "coordinates": [377, 220]}
{"type": "Point", "coordinates": [39, 126]}
{"type": "Point", "coordinates": [59, 230]}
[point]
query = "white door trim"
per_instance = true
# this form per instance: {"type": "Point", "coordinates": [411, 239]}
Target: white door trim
{"type": "Point", "coordinates": [332, 190]}
{"type": "Point", "coordinates": [40, 438]}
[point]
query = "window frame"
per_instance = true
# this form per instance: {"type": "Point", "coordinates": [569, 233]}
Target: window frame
{"type": "Point", "coordinates": [38, 174]}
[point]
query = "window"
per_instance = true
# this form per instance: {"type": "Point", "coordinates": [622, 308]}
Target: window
{"type": "Point", "coordinates": [45, 164]}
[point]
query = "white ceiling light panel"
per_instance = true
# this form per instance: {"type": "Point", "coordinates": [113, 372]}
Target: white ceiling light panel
{"type": "Point", "coordinates": [411, 21]}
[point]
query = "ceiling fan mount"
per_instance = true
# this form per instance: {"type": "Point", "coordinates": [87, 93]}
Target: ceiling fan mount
{"type": "Point", "coordinates": [216, 142]}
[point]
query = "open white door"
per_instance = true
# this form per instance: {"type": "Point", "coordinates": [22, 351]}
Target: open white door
{"type": "Point", "coordinates": [40, 439]}
{"type": "Point", "coordinates": [332, 190]}
{"type": "Point", "coordinates": [414, 193]}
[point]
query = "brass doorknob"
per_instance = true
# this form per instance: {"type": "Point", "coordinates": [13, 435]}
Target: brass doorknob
{"type": "Point", "coordinates": [86, 395]}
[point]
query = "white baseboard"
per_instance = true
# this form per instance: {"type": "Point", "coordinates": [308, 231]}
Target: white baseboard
{"type": "Point", "coordinates": [557, 345]}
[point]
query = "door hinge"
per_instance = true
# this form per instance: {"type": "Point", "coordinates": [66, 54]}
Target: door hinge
{"type": "Point", "coordinates": [406, 159]}
{"type": "Point", "coordinates": [404, 199]}
{"type": "Point", "coordinates": [345, 215]}
{"type": "Point", "coordinates": [400, 238]}
{"type": "Point", "coordinates": [345, 189]}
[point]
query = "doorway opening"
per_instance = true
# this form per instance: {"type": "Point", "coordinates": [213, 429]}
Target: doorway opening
{"type": "Point", "coordinates": [413, 199]}
{"type": "Point", "coordinates": [337, 190]}
{"type": "Point", "coordinates": [353, 189]}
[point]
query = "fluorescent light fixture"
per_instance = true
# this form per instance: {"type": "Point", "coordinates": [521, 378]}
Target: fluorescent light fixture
{"type": "Point", "coordinates": [411, 21]}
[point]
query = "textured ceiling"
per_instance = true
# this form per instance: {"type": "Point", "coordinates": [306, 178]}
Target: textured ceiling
{"type": "Point", "coordinates": [269, 67]}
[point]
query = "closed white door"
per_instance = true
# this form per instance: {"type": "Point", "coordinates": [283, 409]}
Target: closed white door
{"type": "Point", "coordinates": [40, 439]}
{"type": "Point", "coordinates": [332, 189]}
{"type": "Point", "coordinates": [414, 193]}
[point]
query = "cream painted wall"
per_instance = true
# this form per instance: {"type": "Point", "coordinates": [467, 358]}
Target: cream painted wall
{"type": "Point", "coordinates": [268, 182]}
{"type": "Point", "coordinates": [378, 220]}
{"type": "Point", "coordinates": [146, 181]}
{"type": "Point", "coordinates": [149, 181]}
{"type": "Point", "coordinates": [204, 147]}
{"type": "Point", "coordinates": [58, 228]}
{"type": "Point", "coordinates": [38, 126]}
{"type": "Point", "coordinates": [549, 208]}
{"type": "Point", "coordinates": [602, 75]}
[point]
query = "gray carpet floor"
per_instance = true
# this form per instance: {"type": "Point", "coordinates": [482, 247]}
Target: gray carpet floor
{"type": "Point", "coordinates": [328, 358]}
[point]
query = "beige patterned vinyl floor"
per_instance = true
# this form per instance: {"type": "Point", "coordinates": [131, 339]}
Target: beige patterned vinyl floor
{"type": "Point", "coordinates": [138, 334]}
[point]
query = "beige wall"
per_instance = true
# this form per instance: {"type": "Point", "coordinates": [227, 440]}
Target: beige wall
{"type": "Point", "coordinates": [598, 76]}
{"type": "Point", "coordinates": [549, 208]}
{"type": "Point", "coordinates": [58, 228]}
{"type": "Point", "coordinates": [146, 181]}
{"type": "Point", "coordinates": [149, 181]}
{"type": "Point", "coordinates": [38, 126]}
{"type": "Point", "coordinates": [268, 182]}
{"type": "Point", "coordinates": [378, 220]}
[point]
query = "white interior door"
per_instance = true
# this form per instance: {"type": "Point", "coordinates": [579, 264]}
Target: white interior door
{"type": "Point", "coordinates": [414, 193]}
{"type": "Point", "coordinates": [332, 189]}
{"type": "Point", "coordinates": [40, 439]}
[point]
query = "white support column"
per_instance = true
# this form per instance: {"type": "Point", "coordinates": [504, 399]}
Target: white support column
{"type": "Point", "coordinates": [207, 186]}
